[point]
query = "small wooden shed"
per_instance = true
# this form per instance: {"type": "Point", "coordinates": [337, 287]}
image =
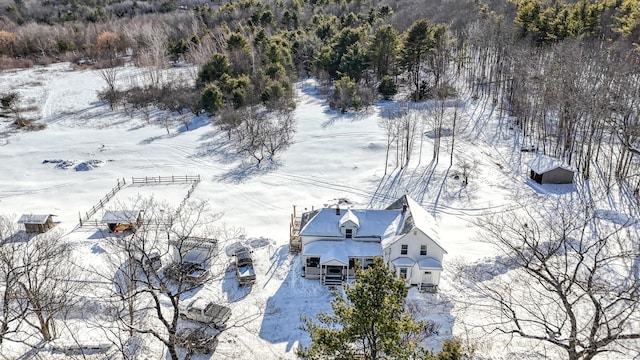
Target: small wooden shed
{"type": "Point", "coordinates": [547, 170]}
{"type": "Point", "coordinates": [115, 217]}
{"type": "Point", "coordinates": [37, 223]}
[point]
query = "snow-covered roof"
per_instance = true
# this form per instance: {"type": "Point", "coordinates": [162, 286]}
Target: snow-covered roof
{"type": "Point", "coordinates": [542, 164]}
{"type": "Point", "coordinates": [33, 219]}
{"type": "Point", "coordinates": [329, 250]}
{"type": "Point", "coordinates": [120, 216]}
{"type": "Point", "coordinates": [373, 223]}
{"type": "Point", "coordinates": [403, 261]}
{"type": "Point", "coordinates": [418, 218]}
{"type": "Point", "coordinates": [430, 263]}
{"type": "Point", "coordinates": [350, 216]}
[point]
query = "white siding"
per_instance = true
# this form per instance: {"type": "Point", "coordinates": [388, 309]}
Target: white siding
{"type": "Point", "coordinates": [414, 239]}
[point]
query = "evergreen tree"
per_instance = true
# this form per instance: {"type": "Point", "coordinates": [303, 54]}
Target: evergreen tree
{"type": "Point", "coordinates": [211, 99]}
{"type": "Point", "coordinates": [369, 322]}
{"type": "Point", "coordinates": [383, 51]}
{"type": "Point", "coordinates": [354, 62]}
{"type": "Point", "coordinates": [419, 41]}
{"type": "Point", "coordinates": [387, 87]}
{"type": "Point", "coordinates": [214, 70]}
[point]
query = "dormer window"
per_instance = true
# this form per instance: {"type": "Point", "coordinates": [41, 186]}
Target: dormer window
{"type": "Point", "coordinates": [349, 224]}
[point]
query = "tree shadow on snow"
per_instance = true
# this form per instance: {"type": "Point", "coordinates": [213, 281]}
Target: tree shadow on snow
{"type": "Point", "coordinates": [313, 89]}
{"type": "Point", "coordinates": [217, 145]}
{"type": "Point", "coordinates": [296, 297]}
{"type": "Point", "coordinates": [335, 116]}
{"type": "Point", "coordinates": [195, 123]}
{"type": "Point", "coordinates": [246, 170]}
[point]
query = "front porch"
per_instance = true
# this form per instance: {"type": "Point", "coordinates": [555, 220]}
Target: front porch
{"type": "Point", "coordinates": [424, 273]}
{"type": "Point", "coordinates": [333, 262]}
{"type": "Point", "coordinates": [333, 272]}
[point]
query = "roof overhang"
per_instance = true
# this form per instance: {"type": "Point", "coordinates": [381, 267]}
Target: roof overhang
{"type": "Point", "coordinates": [120, 216]}
{"type": "Point", "coordinates": [430, 264]}
{"type": "Point", "coordinates": [34, 219]}
{"type": "Point", "coordinates": [403, 262]}
{"type": "Point", "coordinates": [333, 252]}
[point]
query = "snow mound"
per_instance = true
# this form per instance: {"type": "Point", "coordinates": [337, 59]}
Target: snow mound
{"type": "Point", "coordinates": [75, 164]}
{"type": "Point", "coordinates": [89, 165]}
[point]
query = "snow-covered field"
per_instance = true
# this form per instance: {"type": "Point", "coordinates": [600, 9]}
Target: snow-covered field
{"type": "Point", "coordinates": [334, 156]}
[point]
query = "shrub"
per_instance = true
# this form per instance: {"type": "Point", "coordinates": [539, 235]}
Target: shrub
{"type": "Point", "coordinates": [346, 95]}
{"type": "Point", "coordinates": [387, 87]}
{"type": "Point", "coordinates": [111, 96]}
{"type": "Point", "coordinates": [27, 124]}
{"type": "Point", "coordinates": [8, 101]}
{"type": "Point", "coordinates": [211, 99]}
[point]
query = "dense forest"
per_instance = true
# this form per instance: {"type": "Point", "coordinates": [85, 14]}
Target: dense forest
{"type": "Point", "coordinates": [567, 71]}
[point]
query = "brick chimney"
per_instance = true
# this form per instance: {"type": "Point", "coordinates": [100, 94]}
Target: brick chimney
{"type": "Point", "coordinates": [338, 210]}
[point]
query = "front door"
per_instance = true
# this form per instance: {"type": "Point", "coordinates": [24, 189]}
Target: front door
{"type": "Point", "coordinates": [426, 277]}
{"type": "Point", "coordinates": [334, 271]}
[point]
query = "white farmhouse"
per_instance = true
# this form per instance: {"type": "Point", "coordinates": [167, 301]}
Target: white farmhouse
{"type": "Point", "coordinates": [335, 241]}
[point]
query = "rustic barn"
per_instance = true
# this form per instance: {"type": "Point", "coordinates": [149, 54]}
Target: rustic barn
{"type": "Point", "coordinates": [547, 170]}
{"type": "Point", "coordinates": [36, 223]}
{"type": "Point", "coordinates": [113, 218]}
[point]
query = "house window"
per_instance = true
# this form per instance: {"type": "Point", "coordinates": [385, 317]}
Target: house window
{"type": "Point", "coordinates": [403, 273]}
{"type": "Point", "coordinates": [352, 263]}
{"type": "Point", "coordinates": [368, 262]}
{"type": "Point", "coordinates": [348, 233]}
{"type": "Point", "coordinates": [423, 249]}
{"type": "Point", "coordinates": [313, 261]}
{"type": "Point", "coordinates": [404, 249]}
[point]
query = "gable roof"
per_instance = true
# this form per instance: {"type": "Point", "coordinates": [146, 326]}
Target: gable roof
{"type": "Point", "coordinates": [388, 225]}
{"type": "Point", "coordinates": [34, 219]}
{"type": "Point", "coordinates": [350, 216]}
{"type": "Point", "coordinates": [417, 218]}
{"type": "Point", "coordinates": [120, 216]}
{"type": "Point", "coordinates": [373, 223]}
{"type": "Point", "coordinates": [542, 164]}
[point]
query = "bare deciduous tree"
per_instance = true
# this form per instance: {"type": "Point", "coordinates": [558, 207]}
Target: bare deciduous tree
{"type": "Point", "coordinates": [565, 279]}
{"type": "Point", "coordinates": [46, 282]}
{"type": "Point", "coordinates": [261, 135]}
{"type": "Point", "coordinates": [12, 310]}
{"type": "Point", "coordinates": [388, 124]}
{"type": "Point", "coordinates": [147, 299]}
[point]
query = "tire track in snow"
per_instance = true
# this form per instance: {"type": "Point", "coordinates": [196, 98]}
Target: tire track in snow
{"type": "Point", "coordinates": [322, 183]}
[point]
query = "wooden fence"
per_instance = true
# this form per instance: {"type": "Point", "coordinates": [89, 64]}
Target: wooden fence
{"type": "Point", "coordinates": [165, 179]}
{"type": "Point", "coordinates": [191, 189]}
{"type": "Point", "coordinates": [85, 220]}
{"type": "Point", "coordinates": [87, 215]}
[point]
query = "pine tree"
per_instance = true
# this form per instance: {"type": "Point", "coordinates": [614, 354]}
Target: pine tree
{"type": "Point", "coordinates": [418, 42]}
{"type": "Point", "coordinates": [368, 322]}
{"type": "Point", "coordinates": [384, 51]}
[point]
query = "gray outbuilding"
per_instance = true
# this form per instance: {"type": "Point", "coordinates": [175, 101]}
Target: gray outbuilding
{"type": "Point", "coordinates": [547, 170]}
